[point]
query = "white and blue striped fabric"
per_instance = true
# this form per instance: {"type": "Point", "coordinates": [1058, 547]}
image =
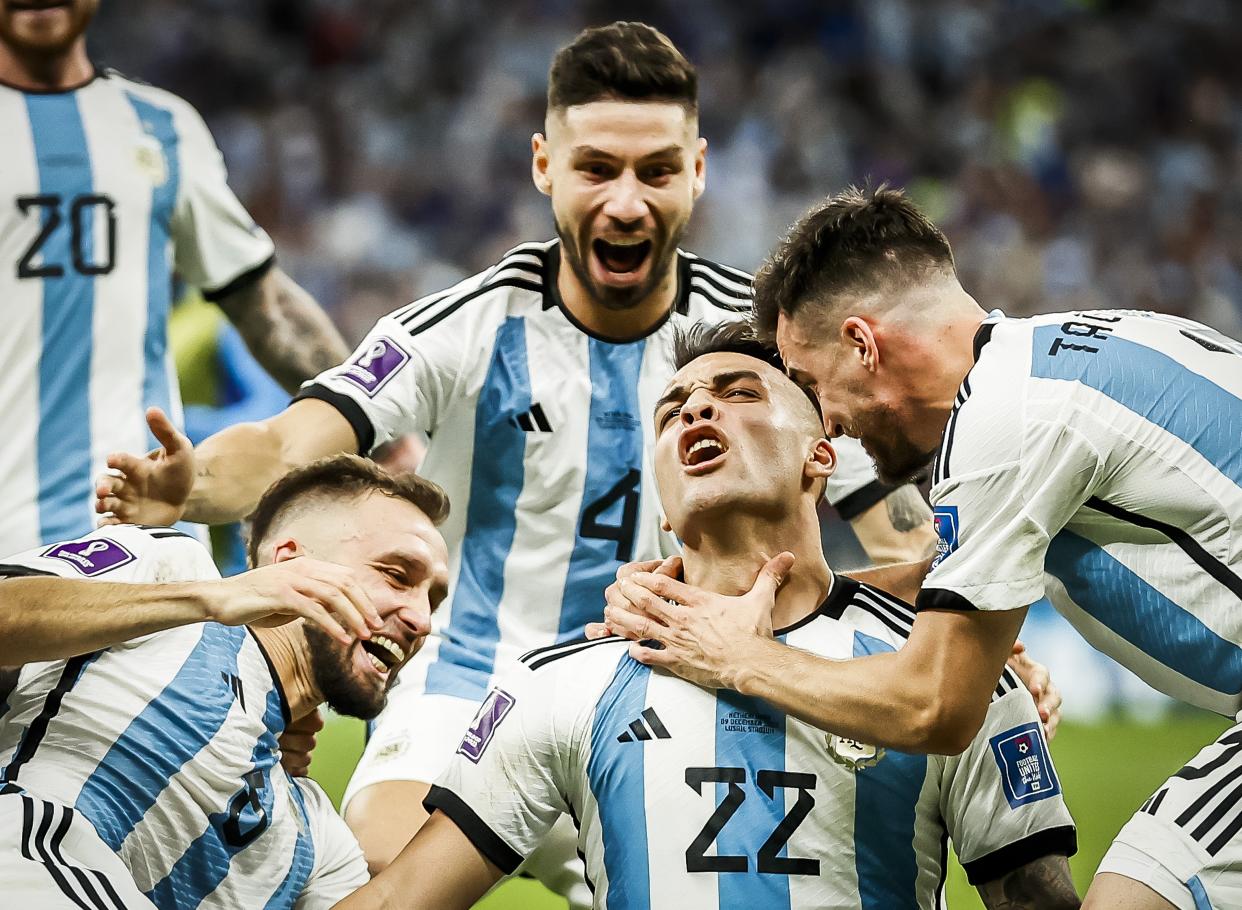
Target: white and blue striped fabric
{"type": "Point", "coordinates": [104, 192]}
{"type": "Point", "coordinates": [693, 799]}
{"type": "Point", "coordinates": [541, 435]}
{"type": "Point", "coordinates": [1097, 457]}
{"type": "Point", "coordinates": [167, 744]}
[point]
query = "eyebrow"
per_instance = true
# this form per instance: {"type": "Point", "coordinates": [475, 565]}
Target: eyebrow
{"type": "Point", "coordinates": [590, 151]}
{"type": "Point", "coordinates": [417, 565]}
{"type": "Point", "coordinates": [719, 381]}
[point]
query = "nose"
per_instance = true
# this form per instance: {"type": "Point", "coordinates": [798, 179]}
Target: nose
{"type": "Point", "coordinates": [415, 613]}
{"type": "Point", "coordinates": [698, 407]}
{"type": "Point", "coordinates": [625, 201]}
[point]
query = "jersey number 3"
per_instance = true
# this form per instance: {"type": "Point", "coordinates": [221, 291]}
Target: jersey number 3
{"type": "Point", "coordinates": [83, 212]}
{"type": "Point", "coordinates": [768, 859]}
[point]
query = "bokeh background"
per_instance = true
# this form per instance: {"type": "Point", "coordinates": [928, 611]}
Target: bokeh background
{"type": "Point", "coordinates": [1077, 152]}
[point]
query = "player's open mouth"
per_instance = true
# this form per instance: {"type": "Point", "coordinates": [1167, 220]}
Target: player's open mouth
{"type": "Point", "coordinates": [621, 257]}
{"type": "Point", "coordinates": [701, 448]}
{"type": "Point", "coordinates": [383, 653]}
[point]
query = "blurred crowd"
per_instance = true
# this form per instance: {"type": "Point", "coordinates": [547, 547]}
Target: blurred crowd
{"type": "Point", "coordinates": [1077, 152]}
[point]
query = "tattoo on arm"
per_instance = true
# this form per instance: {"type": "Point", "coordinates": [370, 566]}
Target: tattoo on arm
{"type": "Point", "coordinates": [906, 508]}
{"type": "Point", "coordinates": [1044, 884]}
{"type": "Point", "coordinates": [286, 330]}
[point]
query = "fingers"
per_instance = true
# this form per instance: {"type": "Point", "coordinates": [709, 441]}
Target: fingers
{"type": "Point", "coordinates": [671, 567]}
{"type": "Point", "coordinates": [652, 657]}
{"type": "Point", "coordinates": [643, 601]}
{"type": "Point", "coordinates": [631, 625]}
{"type": "Point", "coordinates": [1019, 647]}
{"type": "Point", "coordinates": [630, 568]}
{"type": "Point", "coordinates": [662, 586]}
{"type": "Point", "coordinates": [346, 602]}
{"type": "Point", "coordinates": [773, 575]}
{"type": "Point", "coordinates": [596, 630]}
{"type": "Point", "coordinates": [1050, 710]}
{"type": "Point", "coordinates": [168, 436]}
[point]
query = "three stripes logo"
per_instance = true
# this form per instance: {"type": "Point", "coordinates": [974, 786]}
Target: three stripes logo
{"type": "Point", "coordinates": [640, 732]}
{"type": "Point", "coordinates": [234, 682]}
{"type": "Point", "coordinates": [532, 421]}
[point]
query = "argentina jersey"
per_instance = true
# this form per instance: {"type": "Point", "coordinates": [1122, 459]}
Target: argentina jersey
{"type": "Point", "coordinates": [696, 799]}
{"type": "Point", "coordinates": [105, 191]}
{"type": "Point", "coordinates": [540, 433]}
{"type": "Point", "coordinates": [1095, 456]}
{"type": "Point", "coordinates": [167, 746]}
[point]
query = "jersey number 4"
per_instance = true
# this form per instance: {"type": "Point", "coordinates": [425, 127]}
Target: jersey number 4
{"type": "Point", "coordinates": [768, 859]}
{"type": "Point", "coordinates": [83, 211]}
{"type": "Point", "coordinates": [626, 492]}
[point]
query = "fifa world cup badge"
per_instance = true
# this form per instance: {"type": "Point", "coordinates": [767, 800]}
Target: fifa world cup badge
{"type": "Point", "coordinates": [853, 754]}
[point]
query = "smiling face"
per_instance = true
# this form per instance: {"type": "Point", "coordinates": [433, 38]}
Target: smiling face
{"type": "Point", "coordinates": [402, 563]}
{"type": "Point", "coordinates": [623, 177]}
{"type": "Point", "coordinates": [734, 433]}
{"type": "Point", "coordinates": [44, 27]}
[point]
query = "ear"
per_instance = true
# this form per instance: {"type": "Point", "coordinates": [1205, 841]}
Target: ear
{"type": "Point", "coordinates": [539, 161]}
{"type": "Point", "coordinates": [859, 337]}
{"type": "Point", "coordinates": [821, 462]}
{"type": "Point", "coordinates": [700, 168]}
{"type": "Point", "coordinates": [287, 548]}
{"type": "Point", "coordinates": [665, 526]}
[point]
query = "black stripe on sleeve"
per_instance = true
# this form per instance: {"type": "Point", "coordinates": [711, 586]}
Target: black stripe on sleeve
{"type": "Point", "coordinates": [1060, 841]}
{"type": "Point", "coordinates": [364, 431]}
{"type": "Point", "coordinates": [940, 599]}
{"type": "Point", "coordinates": [488, 842]}
{"type": "Point", "coordinates": [13, 570]}
{"type": "Point", "coordinates": [853, 505]}
{"type": "Point", "coordinates": [244, 280]}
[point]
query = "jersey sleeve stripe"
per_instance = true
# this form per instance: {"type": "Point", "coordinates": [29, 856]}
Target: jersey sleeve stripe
{"type": "Point", "coordinates": [941, 599]}
{"type": "Point", "coordinates": [488, 842]}
{"type": "Point", "coordinates": [862, 499]}
{"type": "Point", "coordinates": [452, 308]}
{"type": "Point", "coordinates": [13, 570]}
{"type": "Point", "coordinates": [726, 271]}
{"type": "Point", "coordinates": [1059, 841]}
{"type": "Point", "coordinates": [350, 410]}
{"type": "Point", "coordinates": [540, 656]}
{"type": "Point", "coordinates": [244, 280]}
{"type": "Point", "coordinates": [724, 286]}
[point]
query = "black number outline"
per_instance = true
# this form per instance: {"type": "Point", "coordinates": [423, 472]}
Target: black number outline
{"type": "Point", "coordinates": [696, 858]}
{"type": "Point", "coordinates": [75, 219]}
{"type": "Point", "coordinates": [627, 488]}
{"type": "Point", "coordinates": [234, 836]}
{"type": "Point", "coordinates": [50, 203]}
{"type": "Point", "coordinates": [769, 782]}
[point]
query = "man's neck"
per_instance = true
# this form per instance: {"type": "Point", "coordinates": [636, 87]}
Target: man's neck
{"type": "Point", "coordinates": [727, 560]}
{"type": "Point", "coordinates": [621, 325]}
{"type": "Point", "coordinates": [46, 72]}
{"type": "Point", "coordinates": [286, 649]}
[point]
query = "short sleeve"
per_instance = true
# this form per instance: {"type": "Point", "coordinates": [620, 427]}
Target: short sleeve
{"type": "Point", "coordinates": [340, 868]}
{"type": "Point", "coordinates": [503, 787]}
{"type": "Point", "coordinates": [997, 513]}
{"type": "Point", "coordinates": [1001, 799]}
{"type": "Point", "coordinates": [217, 245]}
{"type": "Point", "coordinates": [394, 383]}
{"type": "Point", "coordinates": [854, 487]}
{"type": "Point", "coordinates": [124, 553]}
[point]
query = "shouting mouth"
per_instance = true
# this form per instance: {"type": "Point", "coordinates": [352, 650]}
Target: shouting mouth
{"type": "Point", "coordinates": [702, 449]}
{"type": "Point", "coordinates": [383, 654]}
{"type": "Point", "coordinates": [622, 260]}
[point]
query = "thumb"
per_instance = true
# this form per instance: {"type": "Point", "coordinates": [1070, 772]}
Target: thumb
{"type": "Point", "coordinates": [670, 567]}
{"type": "Point", "coordinates": [165, 433]}
{"type": "Point", "coordinates": [773, 574]}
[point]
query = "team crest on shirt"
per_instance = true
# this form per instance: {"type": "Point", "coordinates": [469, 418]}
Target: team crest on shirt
{"type": "Point", "coordinates": [371, 368]}
{"type": "Point", "coordinates": [853, 754]}
{"type": "Point", "coordinates": [945, 520]}
{"type": "Point", "coordinates": [493, 710]}
{"type": "Point", "coordinates": [1027, 775]}
{"type": "Point", "coordinates": [149, 156]}
{"type": "Point", "coordinates": [91, 557]}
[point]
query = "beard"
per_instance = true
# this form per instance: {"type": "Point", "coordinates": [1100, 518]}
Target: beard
{"type": "Point", "coordinates": [663, 250]}
{"type": "Point", "coordinates": [335, 675]}
{"type": "Point", "coordinates": [898, 460]}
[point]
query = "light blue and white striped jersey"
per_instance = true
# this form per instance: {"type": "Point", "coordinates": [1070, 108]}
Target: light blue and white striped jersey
{"type": "Point", "coordinates": [104, 192]}
{"type": "Point", "coordinates": [688, 798]}
{"type": "Point", "coordinates": [167, 744]}
{"type": "Point", "coordinates": [1097, 457]}
{"type": "Point", "coordinates": [541, 435]}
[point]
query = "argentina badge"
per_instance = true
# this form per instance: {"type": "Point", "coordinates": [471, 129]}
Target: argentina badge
{"type": "Point", "coordinates": [853, 754]}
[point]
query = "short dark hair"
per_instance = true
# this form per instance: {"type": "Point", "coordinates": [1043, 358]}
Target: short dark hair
{"type": "Point", "coordinates": [626, 61]}
{"type": "Point", "coordinates": [860, 237]}
{"type": "Point", "coordinates": [730, 337]}
{"type": "Point", "coordinates": [340, 477]}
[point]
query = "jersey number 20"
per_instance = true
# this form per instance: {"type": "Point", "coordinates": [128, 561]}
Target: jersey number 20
{"type": "Point", "coordinates": [83, 211]}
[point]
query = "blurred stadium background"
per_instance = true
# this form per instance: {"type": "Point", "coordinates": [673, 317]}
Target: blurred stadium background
{"type": "Point", "coordinates": [1078, 153]}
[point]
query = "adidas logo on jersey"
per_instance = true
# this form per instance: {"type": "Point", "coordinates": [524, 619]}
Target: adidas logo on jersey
{"type": "Point", "coordinates": [640, 732]}
{"type": "Point", "coordinates": [532, 421]}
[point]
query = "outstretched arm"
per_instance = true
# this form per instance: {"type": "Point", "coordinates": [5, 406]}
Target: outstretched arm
{"type": "Point", "coordinates": [1042, 884]}
{"type": "Point", "coordinates": [897, 529]}
{"type": "Point", "coordinates": [287, 331]}
{"type": "Point", "coordinates": [440, 869]}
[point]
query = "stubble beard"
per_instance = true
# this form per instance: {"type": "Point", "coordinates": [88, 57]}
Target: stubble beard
{"type": "Point", "coordinates": [620, 299]}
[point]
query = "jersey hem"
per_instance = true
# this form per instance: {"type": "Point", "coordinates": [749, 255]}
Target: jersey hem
{"type": "Point", "coordinates": [487, 841]}
{"type": "Point", "coordinates": [940, 599]}
{"type": "Point", "coordinates": [364, 432]}
{"type": "Point", "coordinates": [853, 505]}
{"type": "Point", "coordinates": [245, 279]}
{"type": "Point", "coordinates": [1060, 841]}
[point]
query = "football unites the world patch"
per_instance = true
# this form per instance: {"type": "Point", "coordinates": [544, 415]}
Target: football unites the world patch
{"type": "Point", "coordinates": [482, 728]}
{"type": "Point", "coordinates": [1026, 769]}
{"type": "Point", "coordinates": [92, 557]}
{"type": "Point", "coordinates": [945, 520]}
{"type": "Point", "coordinates": [371, 369]}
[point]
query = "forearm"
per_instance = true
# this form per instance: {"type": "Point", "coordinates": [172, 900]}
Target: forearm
{"type": "Point", "coordinates": [898, 529]}
{"type": "Point", "coordinates": [232, 470]}
{"type": "Point", "coordinates": [54, 618]}
{"type": "Point", "coordinates": [287, 331]}
{"type": "Point", "coordinates": [1043, 884]}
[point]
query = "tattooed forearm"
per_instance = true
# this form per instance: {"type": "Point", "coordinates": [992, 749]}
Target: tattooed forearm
{"type": "Point", "coordinates": [285, 329]}
{"type": "Point", "coordinates": [1044, 884]}
{"type": "Point", "coordinates": [906, 508]}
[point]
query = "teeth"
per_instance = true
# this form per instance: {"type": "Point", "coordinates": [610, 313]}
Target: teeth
{"type": "Point", "coordinates": [378, 664]}
{"type": "Point", "coordinates": [631, 241]}
{"type": "Point", "coordinates": [705, 444]}
{"type": "Point", "coordinates": [389, 645]}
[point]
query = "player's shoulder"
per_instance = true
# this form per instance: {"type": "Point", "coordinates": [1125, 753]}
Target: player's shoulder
{"type": "Point", "coordinates": [132, 553]}
{"type": "Point", "coordinates": [514, 283]}
{"type": "Point", "coordinates": [590, 663]}
{"type": "Point", "coordinates": [713, 291]}
{"type": "Point", "coordinates": [143, 91]}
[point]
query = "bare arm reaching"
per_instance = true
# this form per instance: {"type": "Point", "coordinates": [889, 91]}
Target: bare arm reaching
{"type": "Point", "coordinates": [897, 529]}
{"type": "Point", "coordinates": [1043, 884]}
{"type": "Point", "coordinates": [286, 330]}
